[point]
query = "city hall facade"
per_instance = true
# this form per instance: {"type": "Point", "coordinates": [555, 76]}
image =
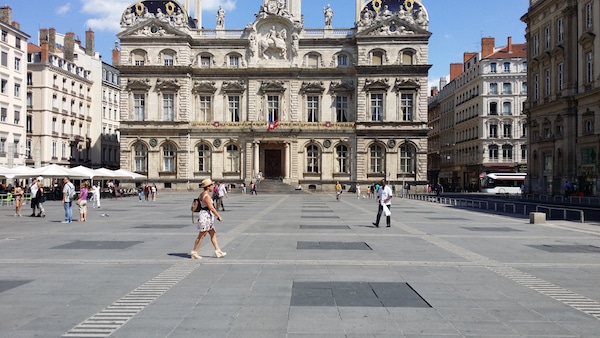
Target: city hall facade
{"type": "Point", "coordinates": [309, 106]}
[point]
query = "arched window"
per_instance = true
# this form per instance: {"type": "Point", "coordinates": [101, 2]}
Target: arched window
{"type": "Point", "coordinates": [312, 159]}
{"type": "Point", "coordinates": [232, 159]}
{"type": "Point", "coordinates": [138, 57]}
{"type": "Point", "coordinates": [203, 158]}
{"type": "Point", "coordinates": [140, 158]}
{"type": "Point", "coordinates": [407, 159]}
{"type": "Point", "coordinates": [342, 159]}
{"type": "Point", "coordinates": [169, 157]}
{"type": "Point", "coordinates": [376, 159]}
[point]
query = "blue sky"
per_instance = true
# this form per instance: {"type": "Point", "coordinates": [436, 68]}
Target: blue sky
{"type": "Point", "coordinates": [457, 25]}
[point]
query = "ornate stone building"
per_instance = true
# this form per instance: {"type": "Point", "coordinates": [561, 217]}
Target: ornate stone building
{"type": "Point", "coordinates": [309, 105]}
{"type": "Point", "coordinates": [563, 95]}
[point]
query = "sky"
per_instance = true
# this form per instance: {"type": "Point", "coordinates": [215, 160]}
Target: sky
{"type": "Point", "coordinates": [457, 25]}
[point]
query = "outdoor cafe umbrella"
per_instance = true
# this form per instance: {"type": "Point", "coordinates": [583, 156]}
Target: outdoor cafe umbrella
{"type": "Point", "coordinates": [130, 174]}
{"type": "Point", "coordinates": [85, 171]}
{"type": "Point", "coordinates": [54, 170]}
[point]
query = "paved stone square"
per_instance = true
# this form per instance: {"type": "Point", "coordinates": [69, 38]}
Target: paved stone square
{"type": "Point", "coordinates": [297, 265]}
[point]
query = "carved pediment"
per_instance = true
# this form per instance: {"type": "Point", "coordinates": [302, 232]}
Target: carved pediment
{"type": "Point", "coordinates": [139, 85]}
{"type": "Point", "coordinates": [393, 18]}
{"type": "Point", "coordinates": [204, 87]}
{"type": "Point", "coordinates": [404, 84]}
{"type": "Point", "coordinates": [312, 87]}
{"type": "Point", "coordinates": [272, 86]}
{"type": "Point", "coordinates": [167, 12]}
{"type": "Point", "coordinates": [376, 84]}
{"type": "Point", "coordinates": [234, 86]}
{"type": "Point", "coordinates": [167, 85]}
{"type": "Point", "coordinates": [337, 87]}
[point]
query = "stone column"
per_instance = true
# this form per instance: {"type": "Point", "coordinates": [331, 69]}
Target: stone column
{"type": "Point", "coordinates": [256, 157]}
{"type": "Point", "coordinates": [288, 160]}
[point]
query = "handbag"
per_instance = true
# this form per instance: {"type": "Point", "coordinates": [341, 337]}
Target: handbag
{"type": "Point", "coordinates": [78, 201]}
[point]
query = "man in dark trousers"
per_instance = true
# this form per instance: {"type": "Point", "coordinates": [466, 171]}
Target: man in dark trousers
{"type": "Point", "coordinates": [384, 199]}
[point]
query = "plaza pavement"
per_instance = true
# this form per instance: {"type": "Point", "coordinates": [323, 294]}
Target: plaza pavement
{"type": "Point", "coordinates": [297, 265]}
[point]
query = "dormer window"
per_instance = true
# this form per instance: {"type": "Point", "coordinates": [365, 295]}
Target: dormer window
{"type": "Point", "coordinates": [377, 58]}
{"type": "Point", "coordinates": [342, 60]}
{"type": "Point", "coordinates": [205, 62]}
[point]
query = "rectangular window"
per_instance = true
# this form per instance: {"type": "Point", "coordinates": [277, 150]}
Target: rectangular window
{"type": "Point", "coordinates": [341, 108]}
{"type": "Point", "coordinates": [523, 153]}
{"type": "Point", "coordinates": [204, 108]}
{"type": "Point", "coordinates": [507, 130]}
{"type": "Point", "coordinates": [589, 15]}
{"type": "Point", "coordinates": [17, 89]}
{"type": "Point", "coordinates": [204, 62]}
{"type": "Point", "coordinates": [3, 114]}
{"type": "Point", "coordinates": [493, 88]}
{"type": "Point", "coordinates": [547, 161]}
{"type": "Point", "coordinates": [168, 107]}
{"type": "Point", "coordinates": [536, 86]}
{"type": "Point", "coordinates": [342, 60]}
{"type": "Point", "coordinates": [536, 44]}
{"type": "Point", "coordinates": [312, 108]}
{"type": "Point", "coordinates": [17, 64]}
{"type": "Point", "coordinates": [376, 107]}
{"type": "Point", "coordinates": [139, 107]}
{"type": "Point", "coordinates": [524, 88]}
{"type": "Point", "coordinates": [589, 67]}
{"type": "Point", "coordinates": [406, 105]}
{"type": "Point", "coordinates": [493, 131]}
{"type": "Point", "coordinates": [507, 67]}
{"type": "Point", "coordinates": [3, 85]}
{"type": "Point", "coordinates": [493, 67]}
{"type": "Point", "coordinates": [547, 83]}
{"type": "Point", "coordinates": [17, 117]}
{"type": "Point", "coordinates": [272, 108]}
{"type": "Point", "coordinates": [506, 88]}
{"type": "Point", "coordinates": [234, 61]}
{"type": "Point", "coordinates": [18, 42]}
{"type": "Point", "coordinates": [559, 75]}
{"type": "Point", "coordinates": [4, 59]}
{"type": "Point", "coordinates": [560, 31]}
{"type": "Point", "coordinates": [506, 109]}
{"type": "Point", "coordinates": [4, 36]}
{"type": "Point", "coordinates": [234, 108]}
{"type": "Point", "coordinates": [547, 38]}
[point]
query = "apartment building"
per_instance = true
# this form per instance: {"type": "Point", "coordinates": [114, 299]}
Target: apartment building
{"type": "Point", "coordinates": [476, 120]}
{"type": "Point", "coordinates": [13, 99]}
{"type": "Point", "coordinates": [110, 155]}
{"type": "Point", "coordinates": [563, 95]}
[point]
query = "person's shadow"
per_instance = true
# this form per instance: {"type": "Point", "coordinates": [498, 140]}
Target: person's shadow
{"type": "Point", "coordinates": [180, 255]}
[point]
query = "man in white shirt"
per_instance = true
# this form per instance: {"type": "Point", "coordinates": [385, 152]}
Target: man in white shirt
{"type": "Point", "coordinates": [221, 193]}
{"type": "Point", "coordinates": [384, 199]}
{"type": "Point", "coordinates": [33, 190]}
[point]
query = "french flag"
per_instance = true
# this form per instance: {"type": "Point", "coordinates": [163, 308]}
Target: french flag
{"type": "Point", "coordinates": [272, 124]}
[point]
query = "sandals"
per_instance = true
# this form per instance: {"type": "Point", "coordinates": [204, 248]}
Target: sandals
{"type": "Point", "coordinates": [220, 253]}
{"type": "Point", "coordinates": [194, 255]}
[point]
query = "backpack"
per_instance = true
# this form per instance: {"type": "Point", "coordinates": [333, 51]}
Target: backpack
{"type": "Point", "coordinates": [196, 207]}
{"type": "Point", "coordinates": [71, 193]}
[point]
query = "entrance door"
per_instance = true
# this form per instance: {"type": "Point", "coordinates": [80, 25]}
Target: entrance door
{"type": "Point", "coordinates": [273, 163]}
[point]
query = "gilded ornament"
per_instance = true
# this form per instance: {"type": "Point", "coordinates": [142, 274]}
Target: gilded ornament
{"type": "Point", "coordinates": [170, 8]}
{"type": "Point", "coordinates": [376, 5]}
{"type": "Point", "coordinates": [139, 8]}
{"type": "Point", "coordinates": [409, 5]}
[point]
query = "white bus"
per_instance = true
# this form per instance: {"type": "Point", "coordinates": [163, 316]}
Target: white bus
{"type": "Point", "coordinates": [503, 183]}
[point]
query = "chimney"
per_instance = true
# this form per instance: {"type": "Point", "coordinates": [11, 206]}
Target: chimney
{"type": "Point", "coordinates": [69, 48]}
{"type": "Point", "coordinates": [52, 40]}
{"type": "Point", "coordinates": [16, 25]}
{"type": "Point", "coordinates": [509, 46]}
{"type": "Point", "coordinates": [116, 55]}
{"type": "Point", "coordinates": [6, 14]}
{"type": "Point", "coordinates": [455, 70]}
{"type": "Point", "coordinates": [89, 42]}
{"type": "Point", "coordinates": [487, 47]}
{"type": "Point", "coordinates": [468, 56]}
{"type": "Point", "coordinates": [43, 36]}
{"type": "Point", "coordinates": [44, 56]}
{"type": "Point", "coordinates": [434, 91]}
{"type": "Point", "coordinates": [443, 82]}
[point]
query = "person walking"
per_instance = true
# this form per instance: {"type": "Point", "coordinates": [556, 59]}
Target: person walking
{"type": "Point", "coordinates": [153, 192]}
{"type": "Point", "coordinates": [357, 191]}
{"type": "Point", "coordinates": [41, 198]}
{"type": "Point", "coordinates": [252, 188]}
{"type": "Point", "coordinates": [68, 193]}
{"type": "Point", "coordinates": [206, 220]}
{"type": "Point", "coordinates": [82, 201]}
{"type": "Point", "coordinates": [221, 194]}
{"type": "Point", "coordinates": [384, 199]}
{"type": "Point", "coordinates": [96, 195]}
{"type": "Point", "coordinates": [338, 190]}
